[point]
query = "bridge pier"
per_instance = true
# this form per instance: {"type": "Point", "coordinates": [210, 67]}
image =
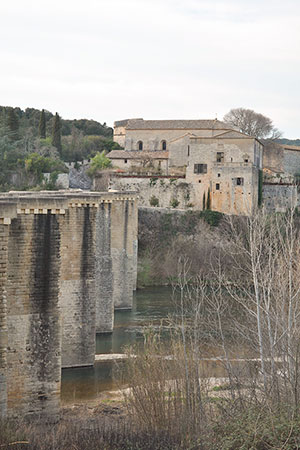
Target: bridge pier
{"type": "Point", "coordinates": [33, 316]}
{"type": "Point", "coordinates": [123, 250]}
{"type": "Point", "coordinates": [78, 286]}
{"type": "Point", "coordinates": [3, 317]}
{"type": "Point", "coordinates": [104, 270]}
{"type": "Point", "coordinates": [66, 259]}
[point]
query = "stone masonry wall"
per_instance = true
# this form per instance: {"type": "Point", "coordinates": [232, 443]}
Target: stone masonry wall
{"type": "Point", "coordinates": [33, 316]}
{"type": "Point", "coordinates": [66, 259]}
{"type": "Point", "coordinates": [122, 252]}
{"type": "Point", "coordinates": [104, 270]}
{"type": "Point", "coordinates": [165, 189]}
{"type": "Point", "coordinates": [279, 197]}
{"type": "Point", "coordinates": [3, 318]}
{"type": "Point", "coordinates": [78, 286]}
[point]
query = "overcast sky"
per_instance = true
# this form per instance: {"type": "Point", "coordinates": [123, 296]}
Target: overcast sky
{"type": "Point", "coordinates": [157, 59]}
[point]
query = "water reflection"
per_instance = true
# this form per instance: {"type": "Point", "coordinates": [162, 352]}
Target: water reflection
{"type": "Point", "coordinates": [150, 306]}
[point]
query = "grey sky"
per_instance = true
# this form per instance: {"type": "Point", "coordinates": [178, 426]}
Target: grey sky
{"type": "Point", "coordinates": [155, 59]}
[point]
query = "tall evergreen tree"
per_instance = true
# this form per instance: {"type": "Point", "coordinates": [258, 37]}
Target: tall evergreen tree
{"type": "Point", "coordinates": [13, 124]}
{"type": "Point", "coordinates": [42, 125]}
{"type": "Point", "coordinates": [208, 199]}
{"type": "Point", "coordinates": [56, 133]}
{"type": "Point", "coordinates": [203, 202]}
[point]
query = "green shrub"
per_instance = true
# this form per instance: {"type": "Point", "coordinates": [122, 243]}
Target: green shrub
{"type": "Point", "coordinates": [37, 165]}
{"type": "Point", "coordinates": [154, 201]}
{"type": "Point", "coordinates": [153, 181]}
{"type": "Point", "coordinates": [174, 203]}
{"type": "Point", "coordinates": [99, 162]}
{"type": "Point", "coordinates": [211, 217]}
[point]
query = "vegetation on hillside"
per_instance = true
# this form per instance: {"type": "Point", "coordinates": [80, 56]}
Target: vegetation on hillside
{"type": "Point", "coordinates": [99, 162]}
{"type": "Point", "coordinates": [163, 238]}
{"type": "Point", "coordinates": [289, 141]}
{"type": "Point", "coordinates": [48, 141]}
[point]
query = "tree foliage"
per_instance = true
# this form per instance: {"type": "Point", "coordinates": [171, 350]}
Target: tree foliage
{"type": "Point", "coordinates": [99, 162]}
{"type": "Point", "coordinates": [252, 123]}
{"type": "Point", "coordinates": [13, 124]}
{"type": "Point", "coordinates": [56, 133]}
{"type": "Point", "coordinates": [37, 165]}
{"type": "Point", "coordinates": [42, 125]}
{"type": "Point", "coordinates": [30, 119]}
{"type": "Point", "coordinates": [24, 132]}
{"type": "Point", "coordinates": [208, 205]}
{"type": "Point", "coordinates": [77, 146]}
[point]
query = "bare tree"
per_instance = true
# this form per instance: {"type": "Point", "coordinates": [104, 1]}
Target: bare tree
{"type": "Point", "coordinates": [252, 123]}
{"type": "Point", "coordinates": [254, 298]}
{"type": "Point", "coordinates": [264, 282]}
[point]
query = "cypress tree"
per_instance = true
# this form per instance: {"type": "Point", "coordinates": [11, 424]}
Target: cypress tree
{"type": "Point", "coordinates": [13, 124]}
{"type": "Point", "coordinates": [56, 133]}
{"type": "Point", "coordinates": [203, 202]}
{"type": "Point", "coordinates": [208, 199]}
{"type": "Point", "coordinates": [42, 125]}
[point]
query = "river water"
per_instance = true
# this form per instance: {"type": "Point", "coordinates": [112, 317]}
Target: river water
{"type": "Point", "coordinates": [150, 307]}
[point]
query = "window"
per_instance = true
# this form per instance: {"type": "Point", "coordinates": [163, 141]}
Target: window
{"type": "Point", "coordinates": [140, 145]}
{"type": "Point", "coordinates": [163, 145]}
{"type": "Point", "coordinates": [188, 150]}
{"type": "Point", "coordinates": [220, 157]}
{"type": "Point", "coordinates": [219, 175]}
{"type": "Point", "coordinates": [200, 168]}
{"type": "Point", "coordinates": [125, 161]}
{"type": "Point", "coordinates": [238, 181]}
{"type": "Point", "coordinates": [217, 186]}
{"type": "Point", "coordinates": [246, 160]}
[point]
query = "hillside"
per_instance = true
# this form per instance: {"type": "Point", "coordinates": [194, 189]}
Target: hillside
{"type": "Point", "coordinates": [26, 151]}
{"type": "Point", "coordinates": [29, 119]}
{"type": "Point", "coordinates": [289, 141]}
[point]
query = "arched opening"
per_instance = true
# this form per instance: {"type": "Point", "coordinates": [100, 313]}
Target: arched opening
{"type": "Point", "coordinates": [140, 145]}
{"type": "Point", "coordinates": [164, 145]}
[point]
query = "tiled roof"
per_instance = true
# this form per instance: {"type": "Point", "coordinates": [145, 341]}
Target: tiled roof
{"type": "Point", "coordinates": [123, 154]}
{"type": "Point", "coordinates": [140, 124]}
{"type": "Point", "coordinates": [291, 147]}
{"type": "Point", "coordinates": [123, 123]}
{"type": "Point", "coordinates": [233, 134]}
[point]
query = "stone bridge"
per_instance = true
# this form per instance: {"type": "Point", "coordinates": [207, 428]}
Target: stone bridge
{"type": "Point", "coordinates": [67, 259]}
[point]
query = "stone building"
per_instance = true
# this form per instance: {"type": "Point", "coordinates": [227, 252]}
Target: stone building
{"type": "Point", "coordinates": [160, 140]}
{"type": "Point", "coordinates": [281, 164]}
{"type": "Point", "coordinates": [219, 163]}
{"type": "Point", "coordinates": [225, 168]}
{"type": "Point", "coordinates": [282, 158]}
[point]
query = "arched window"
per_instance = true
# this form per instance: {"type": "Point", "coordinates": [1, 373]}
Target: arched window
{"type": "Point", "coordinates": [140, 145]}
{"type": "Point", "coordinates": [163, 145]}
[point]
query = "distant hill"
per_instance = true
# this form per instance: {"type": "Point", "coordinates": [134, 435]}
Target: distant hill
{"type": "Point", "coordinates": [289, 141]}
